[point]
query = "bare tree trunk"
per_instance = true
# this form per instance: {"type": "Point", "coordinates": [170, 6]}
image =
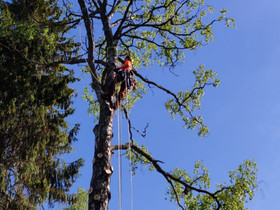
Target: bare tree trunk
{"type": "Point", "coordinates": [99, 194]}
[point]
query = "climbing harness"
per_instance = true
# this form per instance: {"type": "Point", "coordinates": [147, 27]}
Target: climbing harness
{"type": "Point", "coordinates": [124, 77]}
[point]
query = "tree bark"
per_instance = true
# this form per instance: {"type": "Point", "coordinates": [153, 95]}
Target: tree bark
{"type": "Point", "coordinates": [99, 193]}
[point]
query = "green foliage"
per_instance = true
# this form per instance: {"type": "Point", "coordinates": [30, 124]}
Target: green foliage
{"type": "Point", "coordinates": [93, 103]}
{"type": "Point", "coordinates": [158, 32]}
{"type": "Point", "coordinates": [35, 100]}
{"type": "Point", "coordinates": [139, 160]}
{"type": "Point", "coordinates": [131, 96]}
{"type": "Point", "coordinates": [234, 196]}
{"type": "Point", "coordinates": [200, 179]}
{"type": "Point", "coordinates": [188, 102]}
{"type": "Point", "coordinates": [80, 200]}
{"type": "Point", "coordinates": [172, 27]}
{"type": "Point", "coordinates": [244, 185]}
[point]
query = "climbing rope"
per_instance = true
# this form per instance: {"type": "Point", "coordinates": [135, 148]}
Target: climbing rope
{"type": "Point", "coordinates": [119, 153]}
{"type": "Point", "coordinates": [119, 161]}
{"type": "Point", "coordinates": [131, 174]}
{"type": "Point", "coordinates": [130, 154]}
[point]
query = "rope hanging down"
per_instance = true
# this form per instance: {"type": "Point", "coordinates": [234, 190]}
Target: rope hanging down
{"type": "Point", "coordinates": [130, 158]}
{"type": "Point", "coordinates": [120, 158]}
{"type": "Point", "coordinates": [119, 162]}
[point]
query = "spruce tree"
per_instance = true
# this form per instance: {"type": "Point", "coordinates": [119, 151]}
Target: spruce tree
{"type": "Point", "coordinates": [35, 100]}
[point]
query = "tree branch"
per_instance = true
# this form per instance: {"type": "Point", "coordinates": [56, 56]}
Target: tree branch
{"type": "Point", "coordinates": [119, 29]}
{"type": "Point", "coordinates": [170, 177]}
{"type": "Point", "coordinates": [91, 45]}
{"type": "Point", "coordinates": [78, 60]}
{"type": "Point", "coordinates": [158, 86]}
{"type": "Point", "coordinates": [129, 123]}
{"type": "Point", "coordinates": [122, 147]}
{"type": "Point", "coordinates": [115, 6]}
{"type": "Point", "coordinates": [180, 103]}
{"type": "Point", "coordinates": [144, 133]}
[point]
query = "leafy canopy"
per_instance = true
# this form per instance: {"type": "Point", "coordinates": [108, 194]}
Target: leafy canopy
{"type": "Point", "coordinates": [159, 32]}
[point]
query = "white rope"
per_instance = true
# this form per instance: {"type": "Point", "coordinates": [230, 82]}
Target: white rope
{"type": "Point", "coordinates": [130, 154]}
{"type": "Point", "coordinates": [131, 181]}
{"type": "Point", "coordinates": [119, 163]}
{"type": "Point", "coordinates": [119, 154]}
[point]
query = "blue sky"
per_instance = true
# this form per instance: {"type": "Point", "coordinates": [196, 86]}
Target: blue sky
{"type": "Point", "coordinates": [242, 113]}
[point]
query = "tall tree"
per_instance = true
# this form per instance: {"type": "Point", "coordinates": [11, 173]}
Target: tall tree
{"type": "Point", "coordinates": [35, 99]}
{"type": "Point", "coordinates": [154, 32]}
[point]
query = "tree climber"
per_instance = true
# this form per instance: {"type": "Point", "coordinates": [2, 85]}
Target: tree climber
{"type": "Point", "coordinates": [124, 76]}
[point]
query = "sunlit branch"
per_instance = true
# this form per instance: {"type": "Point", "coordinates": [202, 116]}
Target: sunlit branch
{"type": "Point", "coordinates": [115, 6]}
{"type": "Point", "coordinates": [69, 13]}
{"type": "Point", "coordinates": [77, 60]}
{"type": "Point", "coordinates": [151, 16]}
{"type": "Point", "coordinates": [91, 45]}
{"type": "Point", "coordinates": [180, 103]}
{"type": "Point", "coordinates": [169, 177]}
{"type": "Point", "coordinates": [153, 42]}
{"type": "Point", "coordinates": [119, 30]}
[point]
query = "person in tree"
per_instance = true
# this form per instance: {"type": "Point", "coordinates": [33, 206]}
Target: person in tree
{"type": "Point", "coordinates": [124, 76]}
